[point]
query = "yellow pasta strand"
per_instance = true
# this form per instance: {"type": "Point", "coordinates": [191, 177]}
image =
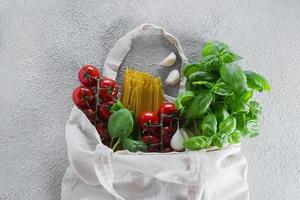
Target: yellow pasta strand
{"type": "Point", "coordinates": [141, 91]}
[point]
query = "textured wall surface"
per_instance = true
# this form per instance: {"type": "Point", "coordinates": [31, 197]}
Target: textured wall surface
{"type": "Point", "coordinates": [43, 42]}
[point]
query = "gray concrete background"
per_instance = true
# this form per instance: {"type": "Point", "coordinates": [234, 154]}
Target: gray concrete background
{"type": "Point", "coordinates": [42, 42]}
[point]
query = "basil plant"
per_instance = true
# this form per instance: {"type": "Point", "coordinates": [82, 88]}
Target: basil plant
{"type": "Point", "coordinates": [217, 107]}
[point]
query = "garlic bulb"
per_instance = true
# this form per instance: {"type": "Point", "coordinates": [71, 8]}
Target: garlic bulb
{"type": "Point", "coordinates": [173, 77]}
{"type": "Point", "coordinates": [169, 60]}
{"type": "Point", "coordinates": [177, 140]}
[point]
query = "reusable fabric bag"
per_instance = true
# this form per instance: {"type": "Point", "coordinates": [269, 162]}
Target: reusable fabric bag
{"type": "Point", "coordinates": [96, 172]}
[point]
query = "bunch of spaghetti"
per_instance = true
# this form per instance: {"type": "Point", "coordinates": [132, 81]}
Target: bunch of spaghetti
{"type": "Point", "coordinates": [141, 91]}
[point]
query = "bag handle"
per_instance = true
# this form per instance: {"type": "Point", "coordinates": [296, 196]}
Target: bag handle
{"type": "Point", "coordinates": [119, 51]}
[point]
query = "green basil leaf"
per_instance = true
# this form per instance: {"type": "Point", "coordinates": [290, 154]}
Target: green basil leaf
{"type": "Point", "coordinates": [255, 109]}
{"type": "Point", "coordinates": [248, 125]}
{"type": "Point", "coordinates": [235, 137]}
{"type": "Point", "coordinates": [194, 127]}
{"type": "Point", "coordinates": [213, 47]}
{"type": "Point", "coordinates": [235, 78]}
{"type": "Point", "coordinates": [246, 96]}
{"type": "Point", "coordinates": [202, 76]}
{"type": "Point", "coordinates": [205, 83]}
{"type": "Point", "coordinates": [237, 106]}
{"type": "Point", "coordinates": [187, 123]}
{"type": "Point", "coordinates": [212, 62]}
{"type": "Point", "coordinates": [183, 99]}
{"type": "Point", "coordinates": [257, 82]}
{"type": "Point", "coordinates": [220, 49]}
{"type": "Point", "coordinates": [252, 128]}
{"type": "Point", "coordinates": [220, 112]}
{"type": "Point", "coordinates": [120, 124]}
{"type": "Point", "coordinates": [219, 140]}
{"type": "Point", "coordinates": [209, 49]}
{"type": "Point", "coordinates": [133, 145]}
{"type": "Point", "coordinates": [191, 68]}
{"type": "Point", "coordinates": [181, 112]}
{"type": "Point", "coordinates": [198, 105]}
{"type": "Point", "coordinates": [240, 121]}
{"type": "Point", "coordinates": [209, 125]}
{"type": "Point", "coordinates": [197, 143]}
{"type": "Point", "coordinates": [189, 86]}
{"type": "Point", "coordinates": [116, 106]}
{"type": "Point", "coordinates": [228, 56]}
{"type": "Point", "coordinates": [229, 99]}
{"type": "Point", "coordinates": [221, 88]}
{"type": "Point", "coordinates": [227, 126]}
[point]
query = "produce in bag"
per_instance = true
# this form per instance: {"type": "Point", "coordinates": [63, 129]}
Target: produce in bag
{"type": "Point", "coordinates": [139, 122]}
{"type": "Point", "coordinates": [96, 172]}
{"type": "Point", "coordinates": [216, 109]}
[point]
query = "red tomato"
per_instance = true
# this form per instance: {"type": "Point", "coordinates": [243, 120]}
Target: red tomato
{"type": "Point", "coordinates": [153, 148]}
{"type": "Point", "coordinates": [108, 89]}
{"type": "Point", "coordinates": [152, 142]}
{"type": "Point", "coordinates": [169, 113]}
{"type": "Point", "coordinates": [88, 74]}
{"type": "Point", "coordinates": [167, 150]}
{"type": "Point", "coordinates": [169, 109]}
{"type": "Point", "coordinates": [150, 139]}
{"type": "Point", "coordinates": [149, 121]}
{"type": "Point", "coordinates": [104, 110]}
{"type": "Point", "coordinates": [170, 129]}
{"type": "Point", "coordinates": [106, 141]}
{"type": "Point", "coordinates": [166, 138]}
{"type": "Point", "coordinates": [169, 122]}
{"type": "Point", "coordinates": [83, 97]}
{"type": "Point", "coordinates": [90, 114]}
{"type": "Point", "coordinates": [151, 132]}
{"type": "Point", "coordinates": [102, 131]}
{"type": "Point", "coordinates": [168, 134]}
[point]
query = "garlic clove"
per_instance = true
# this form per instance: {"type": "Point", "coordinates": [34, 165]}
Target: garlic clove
{"type": "Point", "coordinates": [183, 133]}
{"type": "Point", "coordinates": [169, 60]}
{"type": "Point", "coordinates": [177, 141]}
{"type": "Point", "coordinates": [173, 77]}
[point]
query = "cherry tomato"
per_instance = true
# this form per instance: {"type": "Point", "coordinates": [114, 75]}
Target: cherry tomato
{"type": "Point", "coordinates": [168, 109]}
{"type": "Point", "coordinates": [169, 113]}
{"type": "Point", "coordinates": [150, 139]}
{"type": "Point", "coordinates": [108, 89]}
{"type": "Point", "coordinates": [83, 97]}
{"type": "Point", "coordinates": [170, 129]}
{"type": "Point", "coordinates": [154, 148]}
{"type": "Point", "coordinates": [167, 149]}
{"type": "Point", "coordinates": [88, 74]}
{"type": "Point", "coordinates": [166, 138]}
{"type": "Point", "coordinates": [90, 114]}
{"type": "Point", "coordinates": [152, 142]}
{"type": "Point", "coordinates": [102, 131]}
{"type": "Point", "coordinates": [149, 121]}
{"type": "Point", "coordinates": [169, 122]}
{"type": "Point", "coordinates": [151, 132]}
{"type": "Point", "coordinates": [168, 134]}
{"type": "Point", "coordinates": [104, 110]}
{"type": "Point", "coordinates": [106, 141]}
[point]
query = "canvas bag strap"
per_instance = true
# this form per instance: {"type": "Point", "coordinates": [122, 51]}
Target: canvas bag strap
{"type": "Point", "coordinates": [119, 51]}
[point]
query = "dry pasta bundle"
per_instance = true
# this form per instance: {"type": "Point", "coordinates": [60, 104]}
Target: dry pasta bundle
{"type": "Point", "coordinates": [141, 91]}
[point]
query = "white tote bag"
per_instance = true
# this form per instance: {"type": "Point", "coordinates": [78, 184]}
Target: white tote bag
{"type": "Point", "coordinates": [96, 172]}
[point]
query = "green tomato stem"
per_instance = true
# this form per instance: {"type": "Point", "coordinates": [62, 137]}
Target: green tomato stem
{"type": "Point", "coordinates": [161, 132]}
{"type": "Point", "coordinates": [97, 99]}
{"type": "Point", "coordinates": [89, 76]}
